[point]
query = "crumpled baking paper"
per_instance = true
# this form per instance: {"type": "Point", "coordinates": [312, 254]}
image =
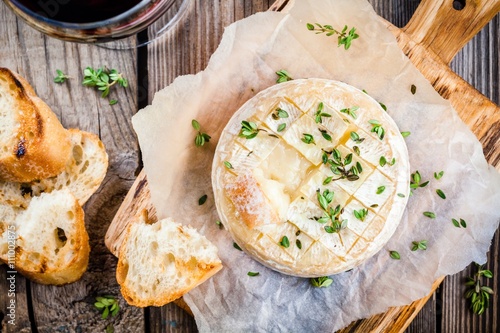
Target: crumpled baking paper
{"type": "Point", "coordinates": [245, 62]}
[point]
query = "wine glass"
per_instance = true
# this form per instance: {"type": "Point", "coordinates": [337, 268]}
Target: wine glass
{"type": "Point", "coordinates": [106, 22]}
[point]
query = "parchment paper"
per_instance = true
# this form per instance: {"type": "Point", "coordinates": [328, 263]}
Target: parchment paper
{"type": "Point", "coordinates": [245, 62]}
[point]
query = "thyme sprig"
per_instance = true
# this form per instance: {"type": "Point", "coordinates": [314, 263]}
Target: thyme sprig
{"type": "Point", "coordinates": [321, 282]}
{"type": "Point", "coordinates": [478, 293]}
{"type": "Point", "coordinates": [320, 114]}
{"type": "Point", "coordinates": [415, 180]}
{"type": "Point", "coordinates": [377, 128]}
{"type": "Point", "coordinates": [249, 129]}
{"type": "Point", "coordinates": [330, 214]}
{"type": "Point", "coordinates": [61, 77]}
{"type": "Point", "coordinates": [344, 38]}
{"type": "Point", "coordinates": [360, 214]}
{"type": "Point", "coordinates": [351, 111]}
{"type": "Point", "coordinates": [356, 138]}
{"type": "Point", "coordinates": [108, 305]}
{"type": "Point", "coordinates": [283, 76]}
{"type": "Point", "coordinates": [201, 138]}
{"type": "Point", "coordinates": [103, 79]}
{"type": "Point", "coordinates": [308, 138]}
{"type": "Point", "coordinates": [420, 245]}
{"type": "Point", "coordinates": [279, 113]}
{"type": "Point", "coordinates": [338, 165]}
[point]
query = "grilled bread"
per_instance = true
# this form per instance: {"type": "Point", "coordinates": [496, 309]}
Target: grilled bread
{"type": "Point", "coordinates": [47, 242]}
{"type": "Point", "coordinates": [34, 143]}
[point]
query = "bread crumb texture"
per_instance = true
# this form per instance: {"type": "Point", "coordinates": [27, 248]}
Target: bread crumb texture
{"type": "Point", "coordinates": [160, 262]}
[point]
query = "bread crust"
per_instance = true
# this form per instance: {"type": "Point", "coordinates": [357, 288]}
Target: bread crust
{"type": "Point", "coordinates": [39, 146]}
{"type": "Point", "coordinates": [65, 266]}
{"type": "Point", "coordinates": [198, 274]}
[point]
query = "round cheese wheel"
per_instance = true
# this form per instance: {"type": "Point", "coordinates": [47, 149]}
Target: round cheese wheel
{"type": "Point", "coordinates": [311, 177]}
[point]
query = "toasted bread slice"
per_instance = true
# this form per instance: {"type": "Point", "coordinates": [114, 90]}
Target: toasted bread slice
{"type": "Point", "coordinates": [83, 174]}
{"type": "Point", "coordinates": [51, 243]}
{"type": "Point", "coordinates": [34, 143]}
{"type": "Point", "coordinates": [160, 262]}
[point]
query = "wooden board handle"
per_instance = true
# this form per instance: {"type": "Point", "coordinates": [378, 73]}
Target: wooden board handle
{"type": "Point", "coordinates": [439, 26]}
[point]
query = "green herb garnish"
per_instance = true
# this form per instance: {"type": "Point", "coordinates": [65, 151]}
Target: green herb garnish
{"type": "Point", "coordinates": [228, 165]}
{"type": "Point", "coordinates": [413, 89]}
{"type": "Point", "coordinates": [330, 214]}
{"type": "Point", "coordinates": [395, 255]}
{"type": "Point", "coordinates": [457, 224]}
{"type": "Point", "coordinates": [308, 139]}
{"type": "Point", "coordinates": [356, 150]}
{"type": "Point", "coordinates": [338, 165]}
{"type": "Point", "coordinates": [249, 130]}
{"type": "Point", "coordinates": [438, 175]}
{"type": "Point", "coordinates": [421, 245]}
{"type": "Point", "coordinates": [380, 189]}
{"type": "Point", "coordinates": [430, 215]}
{"type": "Point", "coordinates": [361, 214]}
{"type": "Point", "coordinates": [327, 180]}
{"type": "Point", "coordinates": [283, 76]}
{"type": "Point", "coordinates": [61, 77]}
{"type": "Point", "coordinates": [320, 114]}
{"type": "Point", "coordinates": [253, 273]}
{"type": "Point", "coordinates": [325, 135]}
{"type": "Point", "coordinates": [377, 128]}
{"type": "Point", "coordinates": [355, 137]}
{"type": "Point", "coordinates": [107, 304]}
{"type": "Point", "coordinates": [201, 138]}
{"type": "Point", "coordinates": [237, 247]}
{"type": "Point", "coordinates": [285, 242]}
{"type": "Point", "coordinates": [279, 113]}
{"type": "Point", "coordinates": [478, 293]}
{"type": "Point", "coordinates": [344, 37]}
{"type": "Point", "coordinates": [281, 127]}
{"type": "Point", "coordinates": [298, 243]}
{"type": "Point", "coordinates": [441, 194]}
{"type": "Point", "coordinates": [405, 134]}
{"type": "Point", "coordinates": [321, 282]}
{"type": "Point", "coordinates": [351, 111]}
{"type": "Point", "coordinates": [202, 199]}
{"type": "Point", "coordinates": [219, 224]}
{"type": "Point", "coordinates": [103, 79]}
{"type": "Point", "coordinates": [415, 180]}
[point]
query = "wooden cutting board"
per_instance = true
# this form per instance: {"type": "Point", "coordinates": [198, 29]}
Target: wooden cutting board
{"type": "Point", "coordinates": [436, 32]}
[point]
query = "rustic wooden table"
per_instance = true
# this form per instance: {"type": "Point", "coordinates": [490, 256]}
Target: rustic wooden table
{"type": "Point", "coordinates": [185, 50]}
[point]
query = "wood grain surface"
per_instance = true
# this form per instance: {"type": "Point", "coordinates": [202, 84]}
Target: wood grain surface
{"type": "Point", "coordinates": [182, 51]}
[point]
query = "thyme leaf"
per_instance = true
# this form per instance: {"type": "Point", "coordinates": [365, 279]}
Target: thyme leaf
{"type": "Point", "coordinates": [283, 76]}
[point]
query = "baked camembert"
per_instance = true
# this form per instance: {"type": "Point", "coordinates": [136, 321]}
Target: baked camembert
{"type": "Point", "coordinates": [311, 177]}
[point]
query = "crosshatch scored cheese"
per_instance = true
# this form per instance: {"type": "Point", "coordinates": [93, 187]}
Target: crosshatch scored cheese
{"type": "Point", "coordinates": [311, 177]}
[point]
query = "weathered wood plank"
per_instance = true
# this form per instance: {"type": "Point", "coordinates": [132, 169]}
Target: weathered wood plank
{"type": "Point", "coordinates": [36, 57]}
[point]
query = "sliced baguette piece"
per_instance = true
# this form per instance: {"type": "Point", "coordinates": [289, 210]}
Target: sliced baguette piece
{"type": "Point", "coordinates": [82, 175]}
{"type": "Point", "coordinates": [84, 171]}
{"type": "Point", "coordinates": [52, 245]}
{"type": "Point", "coordinates": [34, 144]}
{"type": "Point", "coordinates": [162, 261]}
